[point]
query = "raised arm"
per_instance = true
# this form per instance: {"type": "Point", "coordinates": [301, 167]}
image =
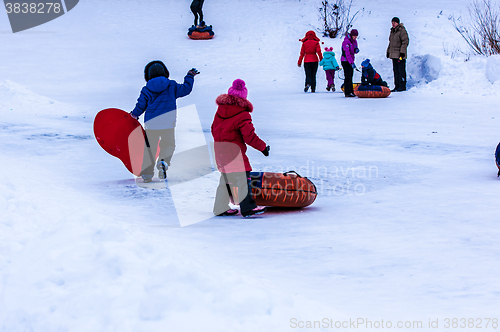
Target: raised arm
{"type": "Point", "coordinates": [184, 89]}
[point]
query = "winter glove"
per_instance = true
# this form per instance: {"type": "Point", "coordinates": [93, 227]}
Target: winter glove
{"type": "Point", "coordinates": [337, 68]}
{"type": "Point", "coordinates": [298, 64]}
{"type": "Point", "coordinates": [193, 72]}
{"type": "Point", "coordinates": [133, 116]}
{"type": "Point", "coordinates": [353, 65]}
{"type": "Point", "coordinates": [401, 56]}
{"type": "Point", "coordinates": [356, 50]}
{"type": "Point", "coordinates": [387, 55]}
{"type": "Point", "coordinates": [266, 151]}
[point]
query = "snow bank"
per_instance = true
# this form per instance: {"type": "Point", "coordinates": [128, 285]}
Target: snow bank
{"type": "Point", "coordinates": [493, 68]}
{"type": "Point", "coordinates": [423, 69]}
{"type": "Point", "coordinates": [18, 100]}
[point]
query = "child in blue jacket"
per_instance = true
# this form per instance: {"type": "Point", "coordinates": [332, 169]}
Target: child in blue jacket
{"type": "Point", "coordinates": [158, 101]}
{"type": "Point", "coordinates": [369, 75]}
{"type": "Point", "coordinates": [330, 65]}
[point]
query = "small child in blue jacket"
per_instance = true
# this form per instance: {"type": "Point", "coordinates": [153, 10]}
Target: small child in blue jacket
{"type": "Point", "coordinates": [330, 65]}
{"type": "Point", "coordinates": [158, 101]}
{"type": "Point", "coordinates": [369, 75]}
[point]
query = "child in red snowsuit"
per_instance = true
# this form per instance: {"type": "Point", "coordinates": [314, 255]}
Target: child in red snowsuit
{"type": "Point", "coordinates": [232, 130]}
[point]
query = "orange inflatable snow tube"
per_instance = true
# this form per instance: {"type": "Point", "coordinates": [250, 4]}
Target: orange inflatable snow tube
{"type": "Point", "coordinates": [372, 91]}
{"type": "Point", "coordinates": [282, 189]}
{"type": "Point", "coordinates": [201, 35]}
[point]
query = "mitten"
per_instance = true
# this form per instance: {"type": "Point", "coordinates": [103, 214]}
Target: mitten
{"type": "Point", "coordinates": [193, 72]}
{"type": "Point", "coordinates": [265, 152]}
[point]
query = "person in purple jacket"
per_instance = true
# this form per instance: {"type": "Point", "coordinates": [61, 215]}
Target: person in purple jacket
{"type": "Point", "coordinates": [158, 102]}
{"type": "Point", "coordinates": [349, 49]}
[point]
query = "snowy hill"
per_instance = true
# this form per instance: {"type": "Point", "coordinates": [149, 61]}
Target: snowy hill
{"type": "Point", "coordinates": [404, 228]}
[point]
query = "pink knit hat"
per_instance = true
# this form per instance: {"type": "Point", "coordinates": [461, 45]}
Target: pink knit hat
{"type": "Point", "coordinates": [238, 89]}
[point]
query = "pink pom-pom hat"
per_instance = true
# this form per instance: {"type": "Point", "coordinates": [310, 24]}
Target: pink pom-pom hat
{"type": "Point", "coordinates": [238, 89]}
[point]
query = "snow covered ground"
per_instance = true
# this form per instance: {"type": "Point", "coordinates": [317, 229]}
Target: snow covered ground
{"type": "Point", "coordinates": [404, 229]}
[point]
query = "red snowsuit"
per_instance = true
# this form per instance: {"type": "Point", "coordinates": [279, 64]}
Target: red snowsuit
{"type": "Point", "coordinates": [232, 129]}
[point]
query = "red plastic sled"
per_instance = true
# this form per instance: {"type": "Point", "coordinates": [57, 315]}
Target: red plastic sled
{"type": "Point", "coordinates": [121, 136]}
{"type": "Point", "coordinates": [282, 189]}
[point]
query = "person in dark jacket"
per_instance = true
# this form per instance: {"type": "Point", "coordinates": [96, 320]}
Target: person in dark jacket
{"type": "Point", "coordinates": [349, 49]}
{"type": "Point", "coordinates": [369, 75]}
{"type": "Point", "coordinates": [311, 54]}
{"type": "Point", "coordinates": [397, 51]}
{"type": "Point", "coordinates": [158, 101]}
{"type": "Point", "coordinates": [196, 8]}
{"type": "Point", "coordinates": [232, 130]}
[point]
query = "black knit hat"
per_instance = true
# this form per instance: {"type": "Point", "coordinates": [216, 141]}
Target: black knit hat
{"type": "Point", "coordinates": [155, 69]}
{"type": "Point", "coordinates": [395, 19]}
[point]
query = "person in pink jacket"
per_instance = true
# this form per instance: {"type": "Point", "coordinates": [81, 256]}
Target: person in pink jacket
{"type": "Point", "coordinates": [311, 54]}
{"type": "Point", "coordinates": [232, 130]}
{"type": "Point", "coordinates": [349, 49]}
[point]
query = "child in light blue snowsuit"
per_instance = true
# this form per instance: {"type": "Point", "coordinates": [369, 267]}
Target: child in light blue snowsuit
{"type": "Point", "coordinates": [330, 65]}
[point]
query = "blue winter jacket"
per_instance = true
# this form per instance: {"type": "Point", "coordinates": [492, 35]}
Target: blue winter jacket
{"type": "Point", "coordinates": [158, 97]}
{"type": "Point", "coordinates": [370, 76]}
{"type": "Point", "coordinates": [329, 62]}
